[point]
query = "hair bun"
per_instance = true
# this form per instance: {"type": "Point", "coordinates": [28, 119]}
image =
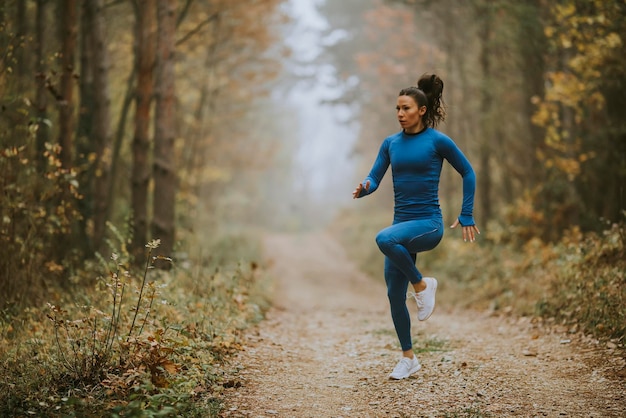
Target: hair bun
{"type": "Point", "coordinates": [430, 84]}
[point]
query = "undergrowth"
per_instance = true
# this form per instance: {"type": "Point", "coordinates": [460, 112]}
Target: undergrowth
{"type": "Point", "coordinates": [589, 287]}
{"type": "Point", "coordinates": [579, 281]}
{"type": "Point", "coordinates": [133, 343]}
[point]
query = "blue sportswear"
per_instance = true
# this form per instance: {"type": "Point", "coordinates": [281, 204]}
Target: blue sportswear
{"type": "Point", "coordinates": [416, 161]}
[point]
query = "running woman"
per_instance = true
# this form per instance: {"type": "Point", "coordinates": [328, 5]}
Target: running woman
{"type": "Point", "coordinates": [416, 155]}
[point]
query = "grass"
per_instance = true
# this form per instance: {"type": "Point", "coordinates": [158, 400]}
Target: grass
{"type": "Point", "coordinates": [429, 345]}
{"type": "Point", "coordinates": [421, 344]}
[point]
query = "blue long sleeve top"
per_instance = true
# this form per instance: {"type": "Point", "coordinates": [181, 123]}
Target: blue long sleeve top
{"type": "Point", "coordinates": [416, 161]}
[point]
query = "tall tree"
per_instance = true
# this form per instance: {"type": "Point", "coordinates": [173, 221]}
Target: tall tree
{"type": "Point", "coordinates": [164, 174]}
{"type": "Point", "coordinates": [145, 13]}
{"type": "Point", "coordinates": [67, 34]}
{"type": "Point", "coordinates": [532, 43]}
{"type": "Point", "coordinates": [101, 118]}
{"type": "Point", "coordinates": [21, 31]}
{"type": "Point", "coordinates": [85, 150]}
{"type": "Point", "coordinates": [43, 131]}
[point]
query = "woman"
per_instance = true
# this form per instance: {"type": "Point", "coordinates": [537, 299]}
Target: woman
{"type": "Point", "coordinates": [416, 156]}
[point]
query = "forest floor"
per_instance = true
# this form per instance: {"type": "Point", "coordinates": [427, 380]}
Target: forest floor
{"type": "Point", "coordinates": [328, 345]}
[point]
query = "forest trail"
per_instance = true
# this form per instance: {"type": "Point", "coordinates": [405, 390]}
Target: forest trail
{"type": "Point", "coordinates": [328, 345]}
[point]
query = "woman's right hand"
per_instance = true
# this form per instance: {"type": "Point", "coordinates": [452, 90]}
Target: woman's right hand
{"type": "Point", "coordinates": [357, 192]}
{"type": "Point", "coordinates": [469, 232]}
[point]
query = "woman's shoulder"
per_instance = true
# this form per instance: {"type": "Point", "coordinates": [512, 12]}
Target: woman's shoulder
{"type": "Point", "coordinates": [439, 137]}
{"type": "Point", "coordinates": [394, 136]}
{"type": "Point", "coordinates": [437, 134]}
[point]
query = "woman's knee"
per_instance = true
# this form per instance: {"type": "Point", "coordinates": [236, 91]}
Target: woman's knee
{"type": "Point", "coordinates": [383, 240]}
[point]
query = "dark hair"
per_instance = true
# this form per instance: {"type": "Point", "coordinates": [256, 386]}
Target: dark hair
{"type": "Point", "coordinates": [428, 92]}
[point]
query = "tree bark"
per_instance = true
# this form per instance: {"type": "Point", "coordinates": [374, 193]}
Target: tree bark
{"type": "Point", "coordinates": [145, 12]}
{"type": "Point", "coordinates": [67, 36]}
{"type": "Point", "coordinates": [101, 119]}
{"type": "Point", "coordinates": [85, 148]}
{"type": "Point", "coordinates": [43, 131]}
{"type": "Point", "coordinates": [21, 57]}
{"type": "Point", "coordinates": [118, 139]}
{"type": "Point", "coordinates": [163, 221]}
{"type": "Point", "coordinates": [533, 52]}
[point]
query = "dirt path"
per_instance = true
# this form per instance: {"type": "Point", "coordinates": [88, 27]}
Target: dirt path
{"type": "Point", "coordinates": [327, 347]}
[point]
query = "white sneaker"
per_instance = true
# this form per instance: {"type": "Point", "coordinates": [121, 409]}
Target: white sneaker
{"type": "Point", "coordinates": [426, 299]}
{"type": "Point", "coordinates": [405, 368]}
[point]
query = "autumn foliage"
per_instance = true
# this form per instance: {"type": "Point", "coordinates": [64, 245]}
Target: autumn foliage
{"type": "Point", "coordinates": [115, 120]}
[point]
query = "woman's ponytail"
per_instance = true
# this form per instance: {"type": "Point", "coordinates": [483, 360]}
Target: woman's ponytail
{"type": "Point", "coordinates": [432, 86]}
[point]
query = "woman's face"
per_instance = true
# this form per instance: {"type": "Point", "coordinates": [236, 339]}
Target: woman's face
{"type": "Point", "coordinates": [409, 114]}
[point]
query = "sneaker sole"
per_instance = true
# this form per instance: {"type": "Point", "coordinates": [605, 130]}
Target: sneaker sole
{"type": "Point", "coordinates": [434, 282]}
{"type": "Point", "coordinates": [414, 370]}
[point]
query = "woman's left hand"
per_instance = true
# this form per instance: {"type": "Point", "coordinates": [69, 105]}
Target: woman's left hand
{"type": "Point", "coordinates": [469, 232]}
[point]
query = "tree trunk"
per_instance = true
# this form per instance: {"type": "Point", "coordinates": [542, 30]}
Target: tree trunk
{"type": "Point", "coordinates": [533, 52]}
{"type": "Point", "coordinates": [21, 57]}
{"type": "Point", "coordinates": [140, 177]}
{"type": "Point", "coordinates": [43, 131]}
{"type": "Point", "coordinates": [67, 36]}
{"type": "Point", "coordinates": [101, 119]}
{"type": "Point", "coordinates": [485, 16]}
{"type": "Point", "coordinates": [118, 140]}
{"type": "Point", "coordinates": [163, 222]}
{"type": "Point", "coordinates": [85, 148]}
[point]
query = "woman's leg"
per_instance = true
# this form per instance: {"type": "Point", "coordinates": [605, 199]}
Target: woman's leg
{"type": "Point", "coordinates": [397, 284]}
{"type": "Point", "coordinates": [399, 243]}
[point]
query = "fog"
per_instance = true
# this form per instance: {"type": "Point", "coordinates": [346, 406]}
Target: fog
{"type": "Point", "coordinates": [321, 137]}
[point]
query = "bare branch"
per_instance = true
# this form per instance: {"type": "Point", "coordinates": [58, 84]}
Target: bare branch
{"type": "Point", "coordinates": [183, 12]}
{"type": "Point", "coordinates": [197, 29]}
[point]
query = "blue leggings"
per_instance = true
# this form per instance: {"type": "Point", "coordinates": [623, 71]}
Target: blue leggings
{"type": "Point", "coordinates": [400, 244]}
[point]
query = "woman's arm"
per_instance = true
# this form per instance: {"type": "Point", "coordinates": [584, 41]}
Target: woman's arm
{"type": "Point", "coordinates": [372, 181]}
{"type": "Point", "coordinates": [451, 152]}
